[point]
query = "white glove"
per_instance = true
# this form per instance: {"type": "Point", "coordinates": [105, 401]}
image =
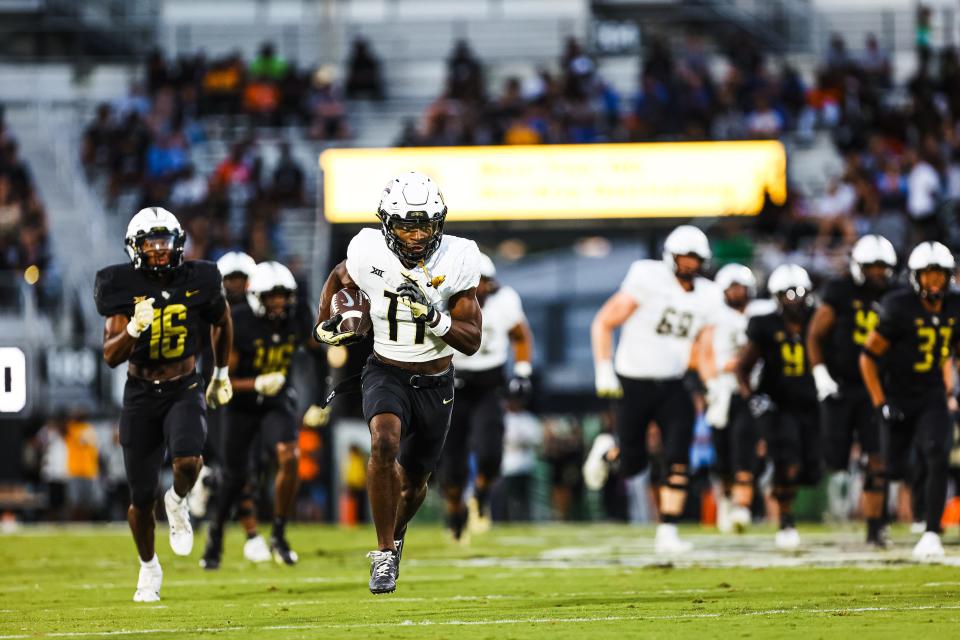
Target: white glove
{"type": "Point", "coordinates": [269, 384]}
{"type": "Point", "coordinates": [606, 380]}
{"type": "Point", "coordinates": [826, 385]}
{"type": "Point", "coordinates": [142, 318]}
{"type": "Point", "coordinates": [719, 392]}
{"type": "Point", "coordinates": [316, 416]}
{"type": "Point", "coordinates": [219, 391]}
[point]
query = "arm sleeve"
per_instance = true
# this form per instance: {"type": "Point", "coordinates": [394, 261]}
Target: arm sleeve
{"type": "Point", "coordinates": [633, 284]}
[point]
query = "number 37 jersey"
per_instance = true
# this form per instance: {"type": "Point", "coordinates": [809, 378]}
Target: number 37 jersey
{"type": "Point", "coordinates": [656, 340]}
{"type": "Point", "coordinates": [454, 267]}
{"type": "Point", "coordinates": [182, 307]}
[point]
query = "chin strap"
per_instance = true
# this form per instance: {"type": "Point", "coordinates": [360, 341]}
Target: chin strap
{"type": "Point", "coordinates": [435, 281]}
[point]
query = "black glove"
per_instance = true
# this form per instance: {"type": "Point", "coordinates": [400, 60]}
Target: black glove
{"type": "Point", "coordinates": [412, 296]}
{"type": "Point", "coordinates": [520, 388]}
{"type": "Point", "coordinates": [889, 415]}
{"type": "Point", "coordinates": [760, 405]}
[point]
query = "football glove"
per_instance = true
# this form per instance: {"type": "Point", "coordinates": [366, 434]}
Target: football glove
{"type": "Point", "coordinates": [219, 391]}
{"type": "Point", "coordinates": [826, 385]}
{"type": "Point", "coordinates": [760, 405]}
{"type": "Point", "coordinates": [520, 387]}
{"type": "Point", "coordinates": [316, 416]}
{"type": "Point", "coordinates": [719, 392]}
{"type": "Point", "coordinates": [327, 332]}
{"type": "Point", "coordinates": [606, 380]}
{"type": "Point", "coordinates": [889, 415]}
{"type": "Point", "coordinates": [142, 318]}
{"type": "Point", "coordinates": [413, 297]}
{"type": "Point", "coordinates": [269, 384]}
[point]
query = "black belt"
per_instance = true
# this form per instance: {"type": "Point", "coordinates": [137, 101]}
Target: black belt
{"type": "Point", "coordinates": [418, 380]}
{"type": "Point", "coordinates": [165, 386]}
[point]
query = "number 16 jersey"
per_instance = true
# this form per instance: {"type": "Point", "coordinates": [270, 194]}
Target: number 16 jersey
{"type": "Point", "coordinates": [452, 268]}
{"type": "Point", "coordinates": [656, 340]}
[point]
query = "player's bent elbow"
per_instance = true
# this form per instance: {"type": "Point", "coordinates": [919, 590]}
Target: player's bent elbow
{"type": "Point", "coordinates": [112, 360]}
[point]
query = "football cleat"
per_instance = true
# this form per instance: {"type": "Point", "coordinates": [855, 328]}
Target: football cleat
{"type": "Point", "coordinates": [918, 527]}
{"type": "Point", "coordinates": [787, 539]}
{"type": "Point", "coordinates": [668, 541]}
{"type": "Point", "coordinates": [597, 466]}
{"type": "Point", "coordinates": [929, 547]}
{"type": "Point", "coordinates": [878, 536]}
{"type": "Point", "coordinates": [255, 549]}
{"type": "Point", "coordinates": [724, 509]}
{"type": "Point", "coordinates": [477, 523]}
{"type": "Point", "coordinates": [383, 572]}
{"type": "Point", "coordinates": [149, 582]}
{"type": "Point", "coordinates": [199, 496]}
{"type": "Point", "coordinates": [281, 551]}
{"type": "Point", "coordinates": [213, 550]}
{"type": "Point", "coordinates": [178, 517]}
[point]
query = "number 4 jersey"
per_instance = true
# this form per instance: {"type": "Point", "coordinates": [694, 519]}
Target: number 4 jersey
{"type": "Point", "coordinates": [656, 340]}
{"type": "Point", "coordinates": [785, 375]}
{"type": "Point", "coordinates": [920, 342]}
{"type": "Point", "coordinates": [454, 267]}
{"type": "Point", "coordinates": [855, 308]}
{"type": "Point", "coordinates": [182, 307]}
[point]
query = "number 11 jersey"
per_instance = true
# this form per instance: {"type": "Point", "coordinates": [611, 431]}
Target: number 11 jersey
{"type": "Point", "coordinates": [454, 267]}
{"type": "Point", "coordinates": [656, 340]}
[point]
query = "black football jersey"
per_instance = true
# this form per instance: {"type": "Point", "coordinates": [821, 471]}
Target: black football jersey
{"type": "Point", "coordinates": [265, 346]}
{"type": "Point", "coordinates": [785, 375]}
{"type": "Point", "coordinates": [183, 307]}
{"type": "Point", "coordinates": [920, 341]}
{"type": "Point", "coordinates": [856, 308]}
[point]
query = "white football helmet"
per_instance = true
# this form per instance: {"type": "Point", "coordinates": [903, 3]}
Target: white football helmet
{"type": "Point", "coordinates": [154, 221]}
{"type": "Point", "coordinates": [685, 240]}
{"type": "Point", "coordinates": [930, 255]}
{"type": "Point", "coordinates": [787, 277]}
{"type": "Point", "coordinates": [732, 274]}
{"type": "Point", "coordinates": [872, 249]}
{"type": "Point", "coordinates": [412, 199]}
{"type": "Point", "coordinates": [234, 262]}
{"type": "Point", "coordinates": [487, 269]}
{"type": "Point", "coordinates": [269, 277]}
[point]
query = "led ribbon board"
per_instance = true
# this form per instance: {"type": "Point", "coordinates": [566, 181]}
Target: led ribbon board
{"type": "Point", "coordinates": [566, 182]}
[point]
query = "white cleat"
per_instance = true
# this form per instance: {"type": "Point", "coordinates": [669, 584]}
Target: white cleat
{"type": "Point", "coordinates": [668, 540]}
{"type": "Point", "coordinates": [178, 517]}
{"type": "Point", "coordinates": [787, 539]}
{"type": "Point", "coordinates": [929, 547]}
{"type": "Point", "coordinates": [918, 527]}
{"type": "Point", "coordinates": [597, 468]}
{"type": "Point", "coordinates": [740, 518]}
{"type": "Point", "coordinates": [724, 509]}
{"type": "Point", "coordinates": [255, 550]}
{"type": "Point", "coordinates": [199, 496]}
{"type": "Point", "coordinates": [149, 582]}
{"type": "Point", "coordinates": [477, 524]}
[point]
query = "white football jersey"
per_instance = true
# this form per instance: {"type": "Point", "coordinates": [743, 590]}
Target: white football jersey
{"type": "Point", "coordinates": [729, 335]}
{"type": "Point", "coordinates": [502, 311]}
{"type": "Point", "coordinates": [655, 341]}
{"type": "Point", "coordinates": [378, 272]}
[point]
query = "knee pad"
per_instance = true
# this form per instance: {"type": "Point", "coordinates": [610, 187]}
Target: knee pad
{"type": "Point", "coordinates": [677, 477]}
{"type": "Point", "coordinates": [874, 479]}
{"type": "Point", "coordinates": [245, 508]}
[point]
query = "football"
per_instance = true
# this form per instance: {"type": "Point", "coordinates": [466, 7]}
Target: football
{"type": "Point", "coordinates": [354, 307]}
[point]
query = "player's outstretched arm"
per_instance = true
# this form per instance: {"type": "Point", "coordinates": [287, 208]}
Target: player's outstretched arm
{"type": "Point", "coordinates": [749, 356]}
{"type": "Point", "coordinates": [118, 342]}
{"type": "Point", "coordinates": [875, 346]}
{"type": "Point", "coordinates": [466, 322]}
{"type": "Point", "coordinates": [219, 391]}
{"type": "Point", "coordinates": [820, 327]}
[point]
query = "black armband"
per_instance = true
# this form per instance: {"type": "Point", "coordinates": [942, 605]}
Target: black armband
{"type": "Point", "coordinates": [871, 355]}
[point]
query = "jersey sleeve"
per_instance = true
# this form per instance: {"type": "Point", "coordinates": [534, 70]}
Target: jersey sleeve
{"type": "Point", "coordinates": [111, 296]}
{"type": "Point", "coordinates": [214, 302]}
{"type": "Point", "coordinates": [468, 275]}
{"type": "Point", "coordinates": [356, 252]}
{"type": "Point", "coordinates": [756, 332]}
{"type": "Point", "coordinates": [636, 281]}
{"type": "Point", "coordinates": [834, 294]}
{"type": "Point", "coordinates": [891, 323]}
{"type": "Point", "coordinates": [512, 308]}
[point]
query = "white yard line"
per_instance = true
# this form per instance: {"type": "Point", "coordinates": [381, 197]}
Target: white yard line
{"type": "Point", "coordinates": [472, 623]}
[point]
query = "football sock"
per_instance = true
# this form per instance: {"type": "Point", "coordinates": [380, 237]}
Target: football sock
{"type": "Point", "coordinates": [279, 527]}
{"type": "Point", "coordinates": [153, 563]}
{"type": "Point", "coordinates": [456, 522]}
{"type": "Point", "coordinates": [483, 499]}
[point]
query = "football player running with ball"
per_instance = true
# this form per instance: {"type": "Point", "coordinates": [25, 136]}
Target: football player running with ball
{"type": "Point", "coordinates": [478, 414]}
{"type": "Point", "coordinates": [422, 288]}
{"type": "Point", "coordinates": [906, 365]}
{"type": "Point", "coordinates": [267, 333]}
{"type": "Point", "coordinates": [662, 306]}
{"type": "Point", "coordinates": [155, 306]}
{"type": "Point", "coordinates": [838, 330]}
{"type": "Point", "coordinates": [785, 402]}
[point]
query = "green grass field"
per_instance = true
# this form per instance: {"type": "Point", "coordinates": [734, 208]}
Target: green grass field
{"type": "Point", "coordinates": [573, 581]}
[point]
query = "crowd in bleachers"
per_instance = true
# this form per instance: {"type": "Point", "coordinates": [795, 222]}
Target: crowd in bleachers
{"type": "Point", "coordinates": [24, 242]}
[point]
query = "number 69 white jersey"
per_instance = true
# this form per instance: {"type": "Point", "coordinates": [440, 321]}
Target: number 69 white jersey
{"type": "Point", "coordinates": [454, 267]}
{"type": "Point", "coordinates": [656, 340]}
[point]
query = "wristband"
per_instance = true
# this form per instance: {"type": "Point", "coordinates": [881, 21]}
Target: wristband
{"type": "Point", "coordinates": [444, 322]}
{"type": "Point", "coordinates": [221, 373]}
{"type": "Point", "coordinates": [522, 369]}
{"type": "Point", "coordinates": [132, 330]}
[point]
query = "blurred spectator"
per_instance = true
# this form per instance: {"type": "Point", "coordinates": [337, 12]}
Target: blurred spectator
{"type": "Point", "coordinates": [189, 192]}
{"type": "Point", "coordinates": [563, 453]}
{"type": "Point", "coordinates": [268, 65]}
{"type": "Point", "coordinates": [924, 191]}
{"type": "Point", "coordinates": [363, 72]}
{"type": "Point", "coordinates": [83, 468]}
{"type": "Point", "coordinates": [53, 465]}
{"type": "Point", "coordinates": [167, 156]}
{"type": "Point", "coordinates": [522, 437]}
{"type": "Point", "coordinates": [312, 492]}
{"type": "Point", "coordinates": [287, 187]}
{"type": "Point", "coordinates": [875, 63]}
{"type": "Point", "coordinates": [136, 101]}
{"type": "Point", "coordinates": [355, 486]}
{"type": "Point", "coordinates": [326, 108]}
{"type": "Point", "coordinates": [465, 74]}
{"type": "Point", "coordinates": [97, 138]}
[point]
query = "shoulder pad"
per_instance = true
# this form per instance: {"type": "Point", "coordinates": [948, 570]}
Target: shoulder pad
{"type": "Point", "coordinates": [114, 290]}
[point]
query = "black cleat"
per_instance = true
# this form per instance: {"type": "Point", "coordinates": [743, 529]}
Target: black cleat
{"type": "Point", "coordinates": [398, 543]}
{"type": "Point", "coordinates": [456, 523]}
{"type": "Point", "coordinates": [213, 551]}
{"type": "Point", "coordinates": [281, 551]}
{"type": "Point", "coordinates": [383, 571]}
